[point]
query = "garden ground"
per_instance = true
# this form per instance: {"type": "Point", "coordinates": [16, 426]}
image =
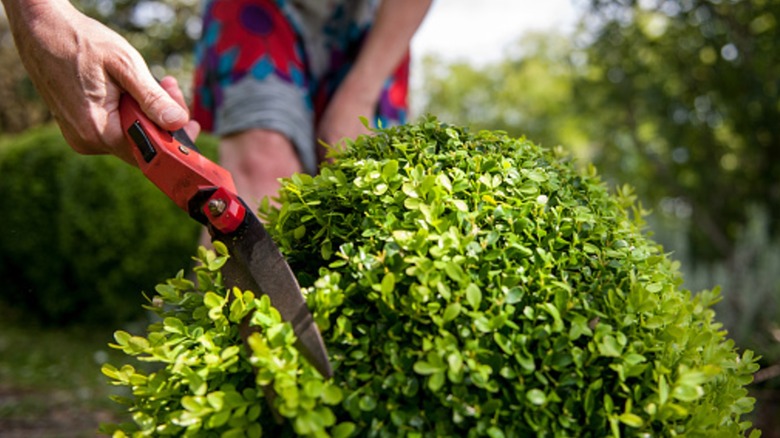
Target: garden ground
{"type": "Point", "coordinates": [50, 380]}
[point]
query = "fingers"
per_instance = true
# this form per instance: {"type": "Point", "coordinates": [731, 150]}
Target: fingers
{"type": "Point", "coordinates": [171, 86]}
{"type": "Point", "coordinates": [163, 104]}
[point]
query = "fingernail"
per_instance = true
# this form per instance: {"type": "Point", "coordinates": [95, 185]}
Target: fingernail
{"type": "Point", "coordinates": [173, 114]}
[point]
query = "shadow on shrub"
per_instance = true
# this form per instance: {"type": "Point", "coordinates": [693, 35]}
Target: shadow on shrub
{"type": "Point", "coordinates": [82, 235]}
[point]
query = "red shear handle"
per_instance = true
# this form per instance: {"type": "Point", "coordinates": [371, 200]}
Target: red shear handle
{"type": "Point", "coordinates": [180, 172]}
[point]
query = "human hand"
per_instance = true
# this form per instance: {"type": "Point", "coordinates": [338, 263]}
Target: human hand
{"type": "Point", "coordinates": [341, 119]}
{"type": "Point", "coordinates": [81, 67]}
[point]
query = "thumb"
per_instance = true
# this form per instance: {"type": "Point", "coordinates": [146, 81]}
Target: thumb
{"type": "Point", "coordinates": [154, 101]}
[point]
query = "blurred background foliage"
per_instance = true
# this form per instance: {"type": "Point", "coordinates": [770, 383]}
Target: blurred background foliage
{"type": "Point", "coordinates": [84, 235]}
{"type": "Point", "coordinates": [678, 98]}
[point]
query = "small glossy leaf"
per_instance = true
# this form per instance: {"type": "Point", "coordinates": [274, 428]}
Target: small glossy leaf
{"type": "Point", "coordinates": [367, 403]}
{"type": "Point", "coordinates": [436, 381]}
{"type": "Point", "coordinates": [451, 312]}
{"type": "Point", "coordinates": [388, 283]}
{"type": "Point", "coordinates": [536, 396]}
{"type": "Point", "coordinates": [343, 430]}
{"type": "Point", "coordinates": [631, 420]}
{"type": "Point", "coordinates": [474, 295]}
{"type": "Point", "coordinates": [425, 368]}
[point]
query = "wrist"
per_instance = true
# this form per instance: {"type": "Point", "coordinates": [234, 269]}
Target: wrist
{"type": "Point", "coordinates": [360, 87]}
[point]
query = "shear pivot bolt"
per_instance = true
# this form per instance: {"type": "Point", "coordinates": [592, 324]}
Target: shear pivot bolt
{"type": "Point", "coordinates": [217, 207]}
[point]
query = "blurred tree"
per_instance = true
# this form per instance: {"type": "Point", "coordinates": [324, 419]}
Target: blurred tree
{"type": "Point", "coordinates": [685, 94]}
{"type": "Point", "coordinates": [163, 31]}
{"type": "Point", "coordinates": [528, 94]}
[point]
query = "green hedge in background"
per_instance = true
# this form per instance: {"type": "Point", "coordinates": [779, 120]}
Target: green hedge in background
{"type": "Point", "coordinates": [81, 235]}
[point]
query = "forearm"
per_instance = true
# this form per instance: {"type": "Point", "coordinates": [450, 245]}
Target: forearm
{"type": "Point", "coordinates": [24, 15]}
{"type": "Point", "coordinates": [385, 46]}
{"type": "Point", "coordinates": [31, 25]}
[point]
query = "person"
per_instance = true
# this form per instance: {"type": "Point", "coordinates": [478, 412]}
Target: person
{"type": "Point", "coordinates": [275, 76]}
{"type": "Point", "coordinates": [80, 67]}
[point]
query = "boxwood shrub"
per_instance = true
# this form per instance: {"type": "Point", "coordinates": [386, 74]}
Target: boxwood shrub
{"type": "Point", "coordinates": [82, 235]}
{"type": "Point", "coordinates": [466, 284]}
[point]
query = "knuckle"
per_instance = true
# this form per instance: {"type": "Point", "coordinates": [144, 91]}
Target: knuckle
{"type": "Point", "coordinates": [152, 98]}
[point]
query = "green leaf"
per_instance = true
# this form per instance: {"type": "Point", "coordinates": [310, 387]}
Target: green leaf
{"type": "Point", "coordinates": [537, 175]}
{"type": "Point", "coordinates": [313, 388]}
{"type": "Point", "coordinates": [109, 371]}
{"type": "Point", "coordinates": [631, 420]}
{"type": "Point", "coordinates": [455, 362]}
{"type": "Point", "coordinates": [444, 181]}
{"type": "Point", "coordinates": [212, 300]}
{"type": "Point", "coordinates": [218, 419]}
{"type": "Point", "coordinates": [235, 432]}
{"type": "Point", "coordinates": [495, 432]}
{"type": "Point", "coordinates": [579, 327]}
{"type": "Point", "coordinates": [451, 312]}
{"type": "Point", "coordinates": [137, 344]}
{"type": "Point", "coordinates": [425, 368]}
{"type": "Point", "coordinates": [473, 296]}
{"type": "Point", "coordinates": [173, 325]}
{"type": "Point", "coordinates": [687, 393]}
{"type": "Point", "coordinates": [514, 295]}
{"type": "Point", "coordinates": [454, 271]}
{"type": "Point", "coordinates": [326, 250]}
{"type": "Point", "coordinates": [553, 311]}
{"type": "Point", "coordinates": [590, 248]}
{"type": "Point", "coordinates": [609, 346]}
{"type": "Point", "coordinates": [380, 189]}
{"type": "Point", "coordinates": [663, 390]}
{"type": "Point", "coordinates": [191, 404]}
{"type": "Point", "coordinates": [343, 430]}
{"type": "Point", "coordinates": [436, 381]}
{"type": "Point", "coordinates": [220, 248]}
{"type": "Point", "coordinates": [390, 169]}
{"type": "Point", "coordinates": [216, 400]}
{"type": "Point", "coordinates": [122, 337]}
{"type": "Point", "coordinates": [367, 403]}
{"type": "Point", "coordinates": [460, 205]}
{"type": "Point", "coordinates": [217, 263]}
{"type": "Point", "coordinates": [503, 342]}
{"type": "Point", "coordinates": [332, 395]}
{"type": "Point", "coordinates": [536, 396]}
{"type": "Point", "coordinates": [388, 283]}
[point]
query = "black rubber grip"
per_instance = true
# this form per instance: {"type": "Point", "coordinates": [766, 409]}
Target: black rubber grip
{"type": "Point", "coordinates": [142, 141]}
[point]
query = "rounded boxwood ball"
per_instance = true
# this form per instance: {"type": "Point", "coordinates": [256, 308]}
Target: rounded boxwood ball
{"type": "Point", "coordinates": [466, 284]}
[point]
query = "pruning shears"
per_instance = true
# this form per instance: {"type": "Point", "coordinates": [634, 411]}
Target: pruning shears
{"type": "Point", "coordinates": [207, 192]}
